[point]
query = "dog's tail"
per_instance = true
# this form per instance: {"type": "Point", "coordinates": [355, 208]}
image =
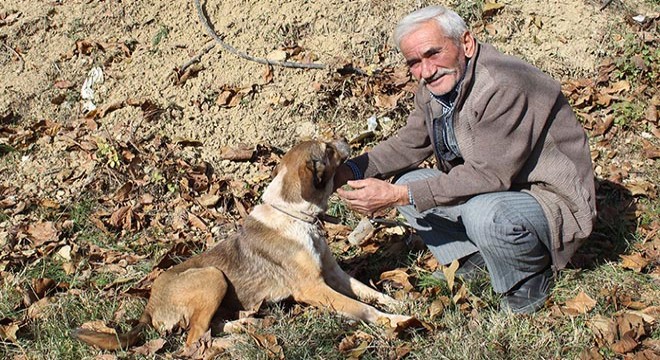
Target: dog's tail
{"type": "Point", "coordinates": [108, 341]}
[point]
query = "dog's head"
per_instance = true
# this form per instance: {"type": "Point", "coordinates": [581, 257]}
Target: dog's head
{"type": "Point", "coordinates": [304, 177]}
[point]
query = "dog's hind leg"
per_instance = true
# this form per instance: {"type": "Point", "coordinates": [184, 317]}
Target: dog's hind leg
{"type": "Point", "coordinates": [192, 297]}
{"type": "Point", "coordinates": [210, 289]}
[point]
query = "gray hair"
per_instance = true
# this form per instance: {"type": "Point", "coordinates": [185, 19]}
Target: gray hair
{"type": "Point", "coordinates": [450, 22]}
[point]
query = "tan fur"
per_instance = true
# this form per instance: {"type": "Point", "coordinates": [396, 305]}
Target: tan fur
{"type": "Point", "coordinates": [276, 255]}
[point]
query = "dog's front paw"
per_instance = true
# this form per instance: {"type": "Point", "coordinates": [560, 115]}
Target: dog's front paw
{"type": "Point", "coordinates": [388, 302]}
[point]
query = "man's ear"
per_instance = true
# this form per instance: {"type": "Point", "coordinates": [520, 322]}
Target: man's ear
{"type": "Point", "coordinates": [469, 44]}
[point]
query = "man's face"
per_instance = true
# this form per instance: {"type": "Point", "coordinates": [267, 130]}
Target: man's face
{"type": "Point", "coordinates": [434, 59]}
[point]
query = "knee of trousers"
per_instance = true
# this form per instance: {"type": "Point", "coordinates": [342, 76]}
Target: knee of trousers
{"type": "Point", "coordinates": [492, 224]}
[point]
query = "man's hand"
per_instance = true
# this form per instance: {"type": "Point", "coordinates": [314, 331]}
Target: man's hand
{"type": "Point", "coordinates": [371, 195]}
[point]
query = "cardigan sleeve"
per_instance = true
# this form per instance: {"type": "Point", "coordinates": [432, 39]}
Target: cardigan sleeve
{"type": "Point", "coordinates": [408, 148]}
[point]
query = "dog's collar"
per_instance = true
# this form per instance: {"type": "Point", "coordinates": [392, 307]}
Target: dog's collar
{"type": "Point", "coordinates": [299, 215]}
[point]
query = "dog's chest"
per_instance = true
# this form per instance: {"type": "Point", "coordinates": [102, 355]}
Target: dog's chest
{"type": "Point", "coordinates": [312, 240]}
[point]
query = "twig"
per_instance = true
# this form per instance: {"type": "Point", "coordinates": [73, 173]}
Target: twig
{"type": "Point", "coordinates": [196, 58]}
{"type": "Point", "coordinates": [17, 55]}
{"type": "Point", "coordinates": [605, 4]}
{"type": "Point", "coordinates": [231, 49]}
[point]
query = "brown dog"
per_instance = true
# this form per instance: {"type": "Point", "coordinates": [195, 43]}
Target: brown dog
{"type": "Point", "coordinates": [279, 253]}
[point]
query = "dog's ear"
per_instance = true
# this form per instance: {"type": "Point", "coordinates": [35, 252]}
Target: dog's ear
{"type": "Point", "coordinates": [275, 171]}
{"type": "Point", "coordinates": [317, 163]}
{"type": "Point", "coordinates": [316, 166]}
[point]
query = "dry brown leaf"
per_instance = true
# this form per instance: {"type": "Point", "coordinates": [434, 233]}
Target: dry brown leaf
{"type": "Point", "coordinates": [118, 217]}
{"type": "Point", "coordinates": [604, 329]}
{"type": "Point", "coordinates": [438, 306]}
{"type": "Point", "coordinates": [242, 152]}
{"type": "Point", "coordinates": [208, 200]}
{"type": "Point", "coordinates": [635, 262]}
{"type": "Point", "coordinates": [196, 222]}
{"type": "Point", "coordinates": [602, 126]}
{"type": "Point", "coordinates": [149, 348]}
{"type": "Point", "coordinates": [461, 295]}
{"type": "Point", "coordinates": [36, 310]}
{"type": "Point", "coordinates": [41, 286]}
{"type": "Point", "coordinates": [388, 101]}
{"type": "Point", "coordinates": [268, 75]}
{"type": "Point", "coordinates": [631, 324]}
{"type": "Point", "coordinates": [42, 232]}
{"type": "Point", "coordinates": [624, 345]}
{"type": "Point", "coordinates": [450, 273]}
{"type": "Point", "coordinates": [122, 193]}
{"type": "Point", "coordinates": [581, 304]}
{"type": "Point", "coordinates": [402, 327]}
{"type": "Point", "coordinates": [398, 277]}
{"type": "Point", "coordinates": [105, 357]}
{"type": "Point", "coordinates": [269, 343]}
{"type": "Point", "coordinates": [642, 188]}
{"type": "Point", "coordinates": [224, 98]}
{"type": "Point", "coordinates": [490, 8]}
{"type": "Point", "coordinates": [650, 151]}
{"type": "Point", "coordinates": [618, 87]}
{"type": "Point", "coordinates": [49, 204]}
{"type": "Point", "coordinates": [179, 218]}
{"type": "Point", "coordinates": [591, 354]}
{"type": "Point", "coordinates": [207, 347]}
{"type": "Point", "coordinates": [347, 343]}
{"type": "Point", "coordinates": [63, 84]}
{"type": "Point", "coordinates": [8, 331]}
{"type": "Point", "coordinates": [98, 326]}
{"type": "Point", "coordinates": [402, 351]}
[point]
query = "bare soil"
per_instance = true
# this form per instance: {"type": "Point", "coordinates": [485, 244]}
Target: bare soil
{"type": "Point", "coordinates": [50, 47]}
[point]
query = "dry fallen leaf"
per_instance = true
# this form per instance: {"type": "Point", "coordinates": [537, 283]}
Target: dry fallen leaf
{"type": "Point", "coordinates": [242, 152]}
{"type": "Point", "coordinates": [490, 8]}
{"type": "Point", "coordinates": [398, 277]}
{"type": "Point", "coordinates": [604, 329]}
{"type": "Point", "coordinates": [8, 331]}
{"type": "Point", "coordinates": [624, 345]}
{"type": "Point", "coordinates": [450, 273]}
{"type": "Point", "coordinates": [269, 343]}
{"type": "Point", "coordinates": [438, 306]}
{"type": "Point", "coordinates": [42, 232]}
{"type": "Point", "coordinates": [581, 304]}
{"type": "Point", "coordinates": [635, 262]}
{"type": "Point", "coordinates": [149, 348]}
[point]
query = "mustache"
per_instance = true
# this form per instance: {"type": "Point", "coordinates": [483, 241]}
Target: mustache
{"type": "Point", "coordinates": [438, 74]}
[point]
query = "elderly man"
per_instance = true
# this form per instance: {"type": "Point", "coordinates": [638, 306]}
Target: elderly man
{"type": "Point", "coordinates": [514, 190]}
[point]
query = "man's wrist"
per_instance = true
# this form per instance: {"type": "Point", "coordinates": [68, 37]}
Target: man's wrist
{"type": "Point", "coordinates": [404, 196]}
{"type": "Point", "coordinates": [357, 173]}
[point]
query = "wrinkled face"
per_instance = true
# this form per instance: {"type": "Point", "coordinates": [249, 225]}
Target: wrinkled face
{"type": "Point", "coordinates": [308, 170]}
{"type": "Point", "coordinates": [434, 59]}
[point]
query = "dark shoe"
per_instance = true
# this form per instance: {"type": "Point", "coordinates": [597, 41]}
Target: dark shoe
{"type": "Point", "coordinates": [471, 267]}
{"type": "Point", "coordinates": [530, 295]}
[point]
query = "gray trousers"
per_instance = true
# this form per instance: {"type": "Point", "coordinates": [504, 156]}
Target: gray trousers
{"type": "Point", "coordinates": [508, 228]}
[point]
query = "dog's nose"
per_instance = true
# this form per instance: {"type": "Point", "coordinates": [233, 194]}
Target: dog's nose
{"type": "Point", "coordinates": [343, 149]}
